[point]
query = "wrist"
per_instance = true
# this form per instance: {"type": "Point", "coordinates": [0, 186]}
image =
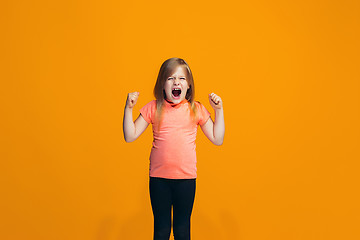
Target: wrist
{"type": "Point", "coordinates": [218, 110]}
{"type": "Point", "coordinates": [127, 108]}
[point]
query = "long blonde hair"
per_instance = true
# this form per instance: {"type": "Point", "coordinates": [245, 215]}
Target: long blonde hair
{"type": "Point", "coordinates": [166, 69]}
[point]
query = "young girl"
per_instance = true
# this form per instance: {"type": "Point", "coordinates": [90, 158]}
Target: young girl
{"type": "Point", "coordinates": [174, 116]}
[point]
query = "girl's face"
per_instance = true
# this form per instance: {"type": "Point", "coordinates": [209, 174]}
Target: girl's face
{"type": "Point", "coordinates": [176, 85]}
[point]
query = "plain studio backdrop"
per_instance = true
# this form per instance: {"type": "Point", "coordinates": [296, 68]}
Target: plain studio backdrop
{"type": "Point", "coordinates": [287, 71]}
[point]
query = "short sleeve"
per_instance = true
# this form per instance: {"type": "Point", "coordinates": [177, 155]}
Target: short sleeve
{"type": "Point", "coordinates": [148, 111]}
{"type": "Point", "coordinates": [203, 114]}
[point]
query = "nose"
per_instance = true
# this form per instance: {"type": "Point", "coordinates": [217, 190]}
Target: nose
{"type": "Point", "coordinates": [176, 81]}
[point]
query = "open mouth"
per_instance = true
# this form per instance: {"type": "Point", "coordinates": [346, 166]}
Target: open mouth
{"type": "Point", "coordinates": [176, 92]}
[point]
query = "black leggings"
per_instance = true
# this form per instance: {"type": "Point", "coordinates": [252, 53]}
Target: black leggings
{"type": "Point", "coordinates": [178, 193]}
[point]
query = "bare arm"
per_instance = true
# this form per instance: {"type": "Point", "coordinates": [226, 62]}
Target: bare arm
{"type": "Point", "coordinates": [132, 130]}
{"type": "Point", "coordinates": [215, 131]}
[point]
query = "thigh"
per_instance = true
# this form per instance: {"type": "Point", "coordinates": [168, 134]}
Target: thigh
{"type": "Point", "coordinates": [183, 200]}
{"type": "Point", "coordinates": [160, 196]}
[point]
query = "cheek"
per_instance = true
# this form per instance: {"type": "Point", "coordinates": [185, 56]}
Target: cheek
{"type": "Point", "coordinates": [187, 86]}
{"type": "Point", "coordinates": [166, 87]}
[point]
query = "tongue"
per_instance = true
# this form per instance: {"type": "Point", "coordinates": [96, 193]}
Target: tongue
{"type": "Point", "coordinates": [176, 93]}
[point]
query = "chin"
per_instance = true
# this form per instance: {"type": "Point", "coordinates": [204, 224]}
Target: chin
{"type": "Point", "coordinates": [176, 101]}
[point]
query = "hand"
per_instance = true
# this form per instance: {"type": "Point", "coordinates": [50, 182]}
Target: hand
{"type": "Point", "coordinates": [215, 101]}
{"type": "Point", "coordinates": [132, 99]}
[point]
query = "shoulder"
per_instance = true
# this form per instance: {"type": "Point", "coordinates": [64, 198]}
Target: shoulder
{"type": "Point", "coordinates": [149, 107]}
{"type": "Point", "coordinates": [199, 105]}
{"type": "Point", "coordinates": [150, 104]}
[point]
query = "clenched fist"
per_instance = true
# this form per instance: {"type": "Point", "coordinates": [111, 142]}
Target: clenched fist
{"type": "Point", "coordinates": [215, 101]}
{"type": "Point", "coordinates": [132, 99]}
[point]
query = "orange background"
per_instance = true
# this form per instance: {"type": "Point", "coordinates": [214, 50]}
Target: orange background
{"type": "Point", "coordinates": [287, 71]}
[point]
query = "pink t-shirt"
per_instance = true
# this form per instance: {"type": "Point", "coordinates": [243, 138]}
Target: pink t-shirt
{"type": "Point", "coordinates": [173, 152]}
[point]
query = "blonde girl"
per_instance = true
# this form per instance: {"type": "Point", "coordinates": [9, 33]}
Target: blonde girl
{"type": "Point", "coordinates": [174, 116]}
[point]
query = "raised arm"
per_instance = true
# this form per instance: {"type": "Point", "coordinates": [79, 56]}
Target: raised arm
{"type": "Point", "coordinates": [215, 131]}
{"type": "Point", "coordinates": [132, 130]}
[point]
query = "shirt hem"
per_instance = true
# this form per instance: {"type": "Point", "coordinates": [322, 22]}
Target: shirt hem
{"type": "Point", "coordinates": [172, 177]}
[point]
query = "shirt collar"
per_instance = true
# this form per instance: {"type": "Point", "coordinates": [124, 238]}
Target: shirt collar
{"type": "Point", "coordinates": [170, 104]}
